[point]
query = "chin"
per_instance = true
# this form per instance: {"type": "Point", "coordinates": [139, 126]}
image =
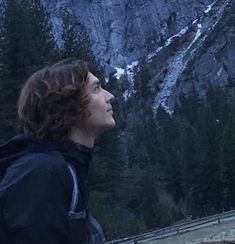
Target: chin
{"type": "Point", "coordinates": [113, 123]}
{"type": "Point", "coordinates": [110, 125]}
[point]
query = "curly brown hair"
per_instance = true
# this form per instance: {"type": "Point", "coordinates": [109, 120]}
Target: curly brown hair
{"type": "Point", "coordinates": [54, 99]}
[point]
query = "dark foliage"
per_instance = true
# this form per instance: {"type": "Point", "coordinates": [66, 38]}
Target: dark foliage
{"type": "Point", "coordinates": [26, 45]}
{"type": "Point", "coordinates": [154, 168]}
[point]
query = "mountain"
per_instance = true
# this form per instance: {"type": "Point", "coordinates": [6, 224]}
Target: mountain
{"type": "Point", "coordinates": [184, 45]}
{"type": "Point", "coordinates": [124, 31]}
{"type": "Point", "coordinates": [170, 64]}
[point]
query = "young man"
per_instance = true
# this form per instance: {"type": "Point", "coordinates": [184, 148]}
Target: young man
{"type": "Point", "coordinates": [43, 171]}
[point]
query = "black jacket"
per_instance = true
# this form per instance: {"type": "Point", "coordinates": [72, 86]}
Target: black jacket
{"type": "Point", "coordinates": [36, 191]}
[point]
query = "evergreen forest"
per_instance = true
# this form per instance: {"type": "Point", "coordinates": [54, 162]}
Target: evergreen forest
{"type": "Point", "coordinates": [154, 168]}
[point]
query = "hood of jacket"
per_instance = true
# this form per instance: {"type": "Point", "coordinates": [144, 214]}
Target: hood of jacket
{"type": "Point", "coordinates": [22, 144]}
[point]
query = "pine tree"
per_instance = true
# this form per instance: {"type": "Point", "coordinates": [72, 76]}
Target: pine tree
{"type": "Point", "coordinates": [75, 39]}
{"type": "Point", "coordinates": [43, 47]}
{"type": "Point", "coordinates": [209, 184]}
{"type": "Point", "coordinates": [105, 184]}
{"type": "Point", "coordinates": [147, 205]}
{"type": "Point", "coordinates": [142, 85]}
{"type": "Point", "coordinates": [189, 107]}
{"type": "Point", "coordinates": [27, 44]}
{"type": "Point", "coordinates": [169, 137]}
{"type": "Point", "coordinates": [190, 168]}
{"type": "Point", "coordinates": [76, 42]}
{"type": "Point", "coordinates": [201, 134]}
{"type": "Point", "coordinates": [217, 100]}
{"type": "Point", "coordinates": [227, 162]}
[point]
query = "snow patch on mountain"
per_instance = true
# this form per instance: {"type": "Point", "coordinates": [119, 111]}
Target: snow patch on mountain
{"type": "Point", "coordinates": [209, 7]}
{"type": "Point", "coordinates": [176, 64]}
{"type": "Point", "coordinates": [120, 72]}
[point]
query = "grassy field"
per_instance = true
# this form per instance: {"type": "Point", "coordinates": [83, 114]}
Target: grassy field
{"type": "Point", "coordinates": [217, 232]}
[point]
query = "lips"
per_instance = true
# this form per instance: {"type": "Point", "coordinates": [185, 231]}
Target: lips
{"type": "Point", "coordinates": [110, 111]}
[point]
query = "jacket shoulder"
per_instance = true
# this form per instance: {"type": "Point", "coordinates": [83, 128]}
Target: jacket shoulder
{"type": "Point", "coordinates": [41, 160]}
{"type": "Point", "coordinates": [44, 166]}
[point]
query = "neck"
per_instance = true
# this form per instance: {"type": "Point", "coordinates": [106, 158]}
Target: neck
{"type": "Point", "coordinates": [81, 137]}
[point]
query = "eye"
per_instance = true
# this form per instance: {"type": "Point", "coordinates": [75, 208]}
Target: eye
{"type": "Point", "coordinates": [97, 87]}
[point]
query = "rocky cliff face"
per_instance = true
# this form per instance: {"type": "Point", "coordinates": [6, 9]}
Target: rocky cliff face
{"type": "Point", "coordinates": [184, 44]}
{"type": "Point", "coordinates": [200, 55]}
{"type": "Point", "coordinates": [124, 31]}
{"type": "Point", "coordinates": [211, 61]}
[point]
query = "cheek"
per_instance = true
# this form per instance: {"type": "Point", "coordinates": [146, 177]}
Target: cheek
{"type": "Point", "coordinates": [94, 110]}
{"type": "Point", "coordinates": [96, 105]}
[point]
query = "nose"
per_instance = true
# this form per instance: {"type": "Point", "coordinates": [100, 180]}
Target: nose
{"type": "Point", "coordinates": [110, 96]}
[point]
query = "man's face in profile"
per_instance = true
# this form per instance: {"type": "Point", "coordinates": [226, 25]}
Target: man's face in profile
{"type": "Point", "coordinates": [100, 109]}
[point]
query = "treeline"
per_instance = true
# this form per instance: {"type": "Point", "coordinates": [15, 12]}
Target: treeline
{"type": "Point", "coordinates": [176, 166]}
{"type": "Point", "coordinates": [28, 44]}
{"type": "Point", "coordinates": [154, 168]}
